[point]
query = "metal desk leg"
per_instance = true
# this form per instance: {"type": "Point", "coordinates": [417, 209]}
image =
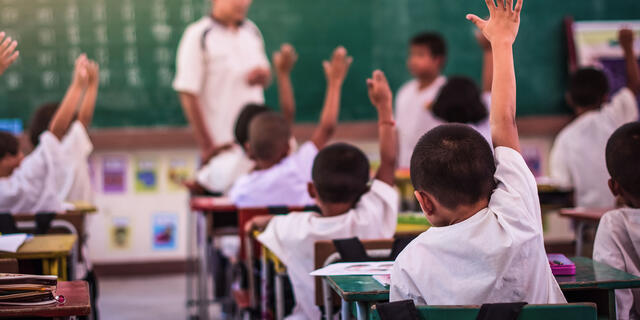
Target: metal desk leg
{"type": "Point", "coordinates": [264, 297]}
{"type": "Point", "coordinates": [612, 305]}
{"type": "Point", "coordinates": [345, 313]}
{"type": "Point", "coordinates": [279, 296]}
{"type": "Point", "coordinates": [362, 310]}
{"type": "Point", "coordinates": [190, 271]}
{"type": "Point", "coordinates": [203, 296]}
{"type": "Point", "coordinates": [579, 237]}
{"type": "Point", "coordinates": [250, 270]}
{"type": "Point", "coordinates": [327, 299]}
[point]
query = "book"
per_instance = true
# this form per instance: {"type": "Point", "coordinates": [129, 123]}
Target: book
{"type": "Point", "coordinates": [355, 268]}
{"type": "Point", "coordinates": [561, 265]}
{"type": "Point", "coordinates": [12, 242]}
{"type": "Point", "coordinates": [383, 279]}
{"type": "Point", "coordinates": [27, 290]}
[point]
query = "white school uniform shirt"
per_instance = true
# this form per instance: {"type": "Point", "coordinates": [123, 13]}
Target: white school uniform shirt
{"type": "Point", "coordinates": [496, 255]}
{"type": "Point", "coordinates": [577, 159]}
{"type": "Point", "coordinates": [292, 238]}
{"type": "Point", "coordinates": [284, 184]}
{"type": "Point", "coordinates": [219, 174]}
{"type": "Point", "coordinates": [413, 116]}
{"type": "Point", "coordinates": [34, 186]}
{"type": "Point", "coordinates": [213, 63]}
{"type": "Point", "coordinates": [78, 147]}
{"type": "Point", "coordinates": [617, 244]}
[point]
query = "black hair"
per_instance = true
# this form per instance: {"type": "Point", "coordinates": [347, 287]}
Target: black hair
{"type": "Point", "coordinates": [40, 121]}
{"type": "Point", "coordinates": [588, 87]}
{"type": "Point", "coordinates": [340, 173]}
{"type": "Point", "coordinates": [247, 114]}
{"type": "Point", "coordinates": [623, 150]}
{"type": "Point", "coordinates": [8, 144]}
{"type": "Point", "coordinates": [431, 40]}
{"type": "Point", "coordinates": [269, 134]}
{"type": "Point", "coordinates": [454, 163]}
{"type": "Point", "coordinates": [460, 101]}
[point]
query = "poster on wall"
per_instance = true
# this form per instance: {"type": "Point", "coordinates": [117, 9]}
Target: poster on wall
{"type": "Point", "coordinates": [178, 172]}
{"type": "Point", "coordinates": [114, 174]}
{"type": "Point", "coordinates": [120, 233]}
{"type": "Point", "coordinates": [146, 175]}
{"type": "Point", "coordinates": [164, 230]}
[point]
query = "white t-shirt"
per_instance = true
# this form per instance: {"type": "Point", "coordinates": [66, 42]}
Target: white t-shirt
{"type": "Point", "coordinates": [219, 174]}
{"type": "Point", "coordinates": [213, 63]}
{"type": "Point", "coordinates": [617, 244]}
{"type": "Point", "coordinates": [292, 238]}
{"type": "Point", "coordinates": [78, 147]}
{"type": "Point", "coordinates": [34, 186]}
{"type": "Point", "coordinates": [413, 115]}
{"type": "Point", "coordinates": [284, 184]}
{"type": "Point", "coordinates": [497, 255]}
{"type": "Point", "coordinates": [577, 159]}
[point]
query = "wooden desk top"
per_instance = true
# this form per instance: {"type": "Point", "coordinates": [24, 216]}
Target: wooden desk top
{"type": "Point", "coordinates": [584, 214]}
{"type": "Point", "coordinates": [44, 247]}
{"type": "Point", "coordinates": [77, 303]}
{"type": "Point", "coordinates": [215, 204]}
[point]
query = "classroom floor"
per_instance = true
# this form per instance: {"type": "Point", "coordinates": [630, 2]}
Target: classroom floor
{"type": "Point", "coordinates": [150, 297]}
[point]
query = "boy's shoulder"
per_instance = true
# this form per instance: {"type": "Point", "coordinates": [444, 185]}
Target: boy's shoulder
{"type": "Point", "coordinates": [621, 217]}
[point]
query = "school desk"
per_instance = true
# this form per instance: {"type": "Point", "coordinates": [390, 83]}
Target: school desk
{"type": "Point", "coordinates": [583, 217]}
{"type": "Point", "coordinates": [77, 303]}
{"type": "Point", "coordinates": [553, 198]}
{"type": "Point", "coordinates": [52, 250]}
{"type": "Point", "coordinates": [364, 291]}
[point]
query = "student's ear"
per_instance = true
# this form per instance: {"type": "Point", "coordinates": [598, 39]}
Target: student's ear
{"type": "Point", "coordinates": [426, 203]}
{"type": "Point", "coordinates": [441, 60]}
{"type": "Point", "coordinates": [614, 187]}
{"type": "Point", "coordinates": [247, 149]}
{"type": "Point", "coordinates": [569, 100]}
{"type": "Point", "coordinates": [313, 193]}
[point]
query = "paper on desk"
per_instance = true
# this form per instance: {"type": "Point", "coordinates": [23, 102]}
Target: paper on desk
{"type": "Point", "coordinates": [355, 268]}
{"type": "Point", "coordinates": [12, 242]}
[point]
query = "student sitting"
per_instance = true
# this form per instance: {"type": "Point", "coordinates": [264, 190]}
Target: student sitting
{"type": "Point", "coordinates": [486, 242]}
{"type": "Point", "coordinates": [225, 164]}
{"type": "Point", "coordinates": [618, 235]}
{"type": "Point", "coordinates": [32, 184]}
{"type": "Point", "coordinates": [76, 143]}
{"type": "Point", "coordinates": [280, 178]}
{"type": "Point", "coordinates": [576, 159]}
{"type": "Point", "coordinates": [349, 206]}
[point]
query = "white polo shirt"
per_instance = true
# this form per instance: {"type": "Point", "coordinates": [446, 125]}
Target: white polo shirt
{"type": "Point", "coordinates": [213, 63]}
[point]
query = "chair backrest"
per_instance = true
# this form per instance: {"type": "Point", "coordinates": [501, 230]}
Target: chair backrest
{"type": "Point", "coordinates": [577, 311]}
{"type": "Point", "coordinates": [9, 266]}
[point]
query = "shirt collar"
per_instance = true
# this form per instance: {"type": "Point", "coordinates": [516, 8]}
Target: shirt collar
{"type": "Point", "coordinates": [218, 22]}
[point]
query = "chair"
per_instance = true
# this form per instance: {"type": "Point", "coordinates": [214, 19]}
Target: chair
{"type": "Point", "coordinates": [9, 266]}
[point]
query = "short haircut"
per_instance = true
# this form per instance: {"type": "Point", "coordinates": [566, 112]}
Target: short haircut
{"type": "Point", "coordinates": [431, 40]}
{"type": "Point", "coordinates": [459, 101]}
{"type": "Point", "coordinates": [454, 163]}
{"type": "Point", "coordinates": [40, 121]}
{"type": "Point", "coordinates": [623, 150]}
{"type": "Point", "coordinates": [9, 144]}
{"type": "Point", "coordinates": [269, 134]}
{"type": "Point", "coordinates": [247, 114]}
{"type": "Point", "coordinates": [588, 87]}
{"type": "Point", "coordinates": [340, 173]}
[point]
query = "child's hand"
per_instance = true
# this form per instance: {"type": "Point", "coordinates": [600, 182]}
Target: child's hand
{"type": "Point", "coordinates": [285, 59]}
{"type": "Point", "coordinates": [258, 223]}
{"type": "Point", "coordinates": [504, 21]}
{"type": "Point", "coordinates": [379, 92]}
{"type": "Point", "coordinates": [625, 37]}
{"type": "Point", "coordinates": [259, 77]}
{"type": "Point", "coordinates": [8, 53]}
{"type": "Point", "coordinates": [93, 70]}
{"type": "Point", "coordinates": [81, 72]}
{"type": "Point", "coordinates": [336, 70]}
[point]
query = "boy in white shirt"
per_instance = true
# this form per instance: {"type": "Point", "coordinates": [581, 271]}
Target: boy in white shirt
{"type": "Point", "coordinates": [577, 157]}
{"type": "Point", "coordinates": [280, 178]}
{"type": "Point", "coordinates": [349, 207]}
{"type": "Point", "coordinates": [32, 184]}
{"type": "Point", "coordinates": [618, 237]}
{"type": "Point", "coordinates": [486, 242]}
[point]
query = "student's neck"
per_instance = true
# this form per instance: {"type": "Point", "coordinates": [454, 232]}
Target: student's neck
{"type": "Point", "coordinates": [224, 20]}
{"type": "Point", "coordinates": [427, 81]}
{"type": "Point", "coordinates": [464, 212]}
{"type": "Point", "coordinates": [335, 209]}
{"type": "Point", "coordinates": [265, 164]}
{"type": "Point", "coordinates": [582, 110]}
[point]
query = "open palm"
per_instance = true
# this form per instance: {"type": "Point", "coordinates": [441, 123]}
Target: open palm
{"type": "Point", "coordinates": [503, 23]}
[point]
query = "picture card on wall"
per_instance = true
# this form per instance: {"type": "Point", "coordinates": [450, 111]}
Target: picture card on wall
{"type": "Point", "coordinates": [114, 174]}
{"type": "Point", "coordinates": [165, 228]}
{"type": "Point", "coordinates": [146, 174]}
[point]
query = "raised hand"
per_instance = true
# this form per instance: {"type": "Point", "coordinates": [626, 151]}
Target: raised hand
{"type": "Point", "coordinates": [625, 37]}
{"type": "Point", "coordinates": [8, 52]}
{"type": "Point", "coordinates": [285, 59]}
{"type": "Point", "coordinates": [93, 72]}
{"type": "Point", "coordinates": [380, 92]}
{"type": "Point", "coordinates": [503, 23]}
{"type": "Point", "coordinates": [81, 72]}
{"type": "Point", "coordinates": [336, 70]}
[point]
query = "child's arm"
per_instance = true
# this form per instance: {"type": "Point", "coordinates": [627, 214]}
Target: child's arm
{"type": "Point", "coordinates": [487, 62]}
{"type": "Point", "coordinates": [501, 30]}
{"type": "Point", "coordinates": [381, 97]}
{"type": "Point", "coordinates": [257, 223]}
{"type": "Point", "coordinates": [284, 60]}
{"type": "Point", "coordinates": [8, 53]}
{"type": "Point", "coordinates": [625, 36]}
{"type": "Point", "coordinates": [85, 116]}
{"type": "Point", "coordinates": [336, 72]}
{"type": "Point", "coordinates": [64, 114]}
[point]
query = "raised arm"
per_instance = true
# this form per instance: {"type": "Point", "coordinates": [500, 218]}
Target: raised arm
{"type": "Point", "coordinates": [501, 29]}
{"type": "Point", "coordinates": [63, 116]}
{"type": "Point", "coordinates": [487, 62]}
{"type": "Point", "coordinates": [336, 72]}
{"type": "Point", "coordinates": [8, 52]}
{"type": "Point", "coordinates": [283, 61]}
{"type": "Point", "coordinates": [381, 97]}
{"type": "Point", "coordinates": [85, 116]}
{"type": "Point", "coordinates": [625, 36]}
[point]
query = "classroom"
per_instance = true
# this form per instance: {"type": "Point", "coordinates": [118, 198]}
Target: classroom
{"type": "Point", "coordinates": [385, 159]}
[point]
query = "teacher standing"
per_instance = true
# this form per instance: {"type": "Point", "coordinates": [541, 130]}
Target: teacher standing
{"type": "Point", "coordinates": [221, 67]}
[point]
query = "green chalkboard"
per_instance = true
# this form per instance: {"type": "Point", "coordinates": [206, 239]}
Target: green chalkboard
{"type": "Point", "coordinates": [135, 42]}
